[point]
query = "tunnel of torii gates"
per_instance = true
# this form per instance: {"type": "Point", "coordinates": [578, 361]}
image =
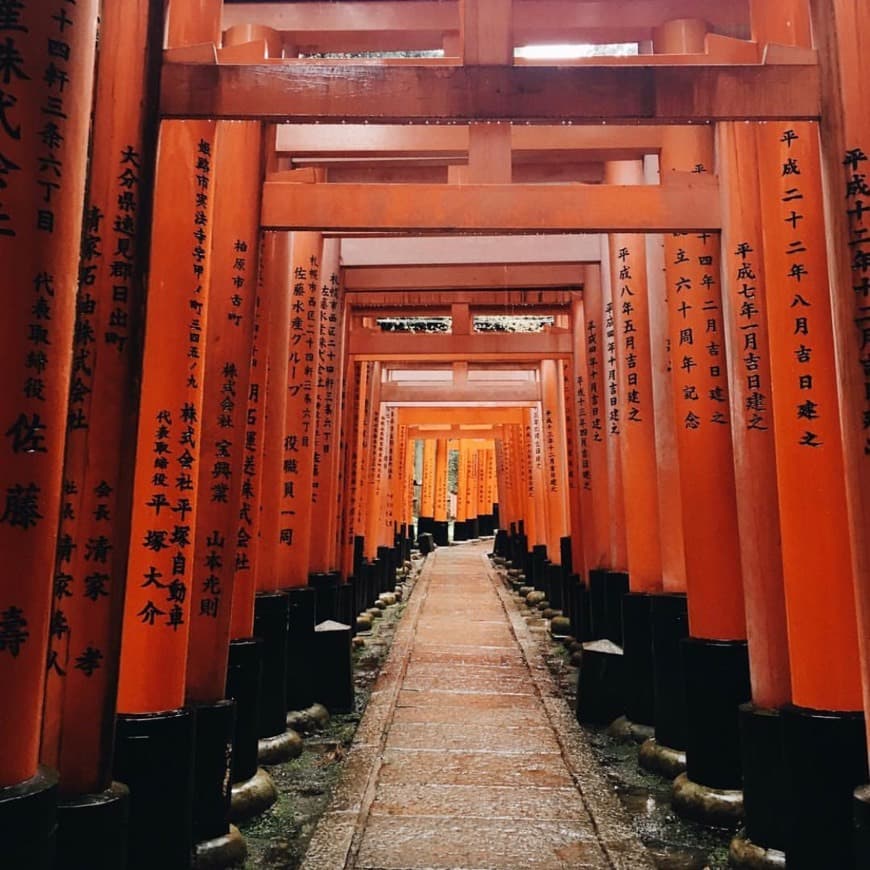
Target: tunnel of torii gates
{"type": "Point", "coordinates": [206, 219]}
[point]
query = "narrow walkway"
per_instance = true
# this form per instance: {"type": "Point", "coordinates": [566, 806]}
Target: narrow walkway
{"type": "Point", "coordinates": [467, 757]}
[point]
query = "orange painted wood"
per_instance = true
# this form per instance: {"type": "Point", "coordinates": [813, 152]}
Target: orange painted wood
{"type": "Point", "coordinates": [702, 413]}
{"type": "Point", "coordinates": [841, 34]}
{"type": "Point", "coordinates": [822, 632]}
{"type": "Point", "coordinates": [462, 482]}
{"type": "Point", "coordinates": [41, 203]}
{"type": "Point", "coordinates": [485, 32]}
{"type": "Point", "coordinates": [596, 535]}
{"type": "Point", "coordinates": [464, 277]}
{"type": "Point", "coordinates": [275, 311]}
{"type": "Point", "coordinates": [427, 491]}
{"type": "Point", "coordinates": [248, 537]}
{"type": "Point", "coordinates": [555, 467]}
{"type": "Point", "coordinates": [161, 559]}
{"type": "Point", "coordinates": [89, 580]}
{"type": "Point", "coordinates": [439, 510]}
{"type": "Point", "coordinates": [687, 204]}
{"type": "Point", "coordinates": [577, 439]}
{"type": "Point", "coordinates": [300, 416]}
{"type": "Point", "coordinates": [443, 93]}
{"type": "Point", "coordinates": [786, 23]}
{"type": "Point", "coordinates": [354, 405]}
{"type": "Point", "coordinates": [746, 308]}
{"type": "Point", "coordinates": [637, 438]}
{"type": "Point", "coordinates": [618, 547]}
{"type": "Point", "coordinates": [372, 462]}
{"type": "Point", "coordinates": [232, 298]}
{"type": "Point", "coordinates": [191, 22]}
{"type": "Point", "coordinates": [325, 488]}
{"type": "Point", "coordinates": [668, 467]}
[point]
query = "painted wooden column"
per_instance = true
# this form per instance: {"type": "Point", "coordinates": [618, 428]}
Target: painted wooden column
{"type": "Point", "coordinates": [325, 488]}
{"type": "Point", "coordinates": [300, 425]}
{"type": "Point", "coordinates": [822, 623]}
{"type": "Point", "coordinates": [373, 467]}
{"type": "Point", "coordinates": [717, 643]}
{"type": "Point", "coordinates": [45, 94]}
{"type": "Point", "coordinates": [440, 504]}
{"type": "Point", "coordinates": [631, 303]}
{"type": "Point", "coordinates": [746, 308]}
{"type": "Point", "coordinates": [555, 472]}
{"type": "Point", "coordinates": [840, 30]}
{"type": "Point", "coordinates": [358, 374]}
{"type": "Point", "coordinates": [428, 487]}
{"type": "Point", "coordinates": [460, 521]}
{"type": "Point", "coordinates": [157, 608]}
{"type": "Point", "coordinates": [581, 505]}
{"type": "Point", "coordinates": [232, 298]}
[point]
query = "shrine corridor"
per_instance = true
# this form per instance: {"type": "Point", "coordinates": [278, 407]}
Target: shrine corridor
{"type": "Point", "coordinates": [466, 756]}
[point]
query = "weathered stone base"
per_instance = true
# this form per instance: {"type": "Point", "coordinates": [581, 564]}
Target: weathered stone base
{"type": "Point", "coordinates": [252, 797]}
{"type": "Point", "coordinates": [663, 760]}
{"type": "Point", "coordinates": [747, 855]}
{"type": "Point", "coordinates": [280, 748]}
{"type": "Point", "coordinates": [225, 851]}
{"type": "Point", "coordinates": [626, 731]}
{"type": "Point", "coordinates": [709, 806]}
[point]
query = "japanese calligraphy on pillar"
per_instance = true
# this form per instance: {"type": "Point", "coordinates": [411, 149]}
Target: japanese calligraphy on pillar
{"type": "Point", "coordinates": [161, 561]}
{"type": "Point", "coordinates": [231, 298]}
{"type": "Point", "coordinates": [856, 163]}
{"type": "Point", "coordinates": [46, 80]}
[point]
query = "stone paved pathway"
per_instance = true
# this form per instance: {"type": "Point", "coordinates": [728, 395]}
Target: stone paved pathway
{"type": "Point", "coordinates": [467, 758]}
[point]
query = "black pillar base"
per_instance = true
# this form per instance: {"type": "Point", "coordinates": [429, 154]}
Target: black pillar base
{"type": "Point", "coordinates": [333, 666]}
{"type": "Point", "coordinates": [426, 544]}
{"type": "Point", "coordinates": [154, 757]}
{"type": "Point", "coordinates": [578, 598]}
{"type": "Point", "coordinates": [460, 531]}
{"type": "Point", "coordinates": [717, 683]}
{"type": "Point", "coordinates": [764, 777]}
{"type": "Point", "coordinates": [501, 546]}
{"type": "Point", "coordinates": [486, 525]}
{"type": "Point", "coordinates": [425, 526]}
{"type": "Point", "coordinates": [93, 830]}
{"type": "Point", "coordinates": [441, 533]}
{"type": "Point", "coordinates": [638, 658]}
{"type": "Point", "coordinates": [325, 585]}
{"type": "Point", "coordinates": [271, 614]}
{"type": "Point", "coordinates": [861, 811]}
{"type": "Point", "coordinates": [304, 615]}
{"type": "Point", "coordinates": [474, 528]}
{"type": "Point", "coordinates": [670, 625]}
{"type": "Point", "coordinates": [554, 586]}
{"type": "Point", "coordinates": [215, 726]}
{"type": "Point", "coordinates": [243, 686]}
{"type": "Point", "coordinates": [826, 759]}
{"type": "Point", "coordinates": [599, 681]}
{"type": "Point", "coordinates": [28, 820]}
{"type": "Point", "coordinates": [606, 591]}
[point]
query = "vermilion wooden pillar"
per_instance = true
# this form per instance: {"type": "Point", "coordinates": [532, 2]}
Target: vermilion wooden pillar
{"type": "Point", "coordinates": [555, 473]}
{"type": "Point", "coordinates": [428, 486]}
{"type": "Point", "coordinates": [746, 306]}
{"type": "Point", "coordinates": [41, 203]}
{"type": "Point", "coordinates": [822, 635]}
{"type": "Point", "coordinates": [161, 557]}
{"type": "Point", "coordinates": [637, 439]}
{"type": "Point", "coordinates": [581, 503]}
{"type": "Point", "coordinates": [301, 420]}
{"type": "Point", "coordinates": [840, 31]}
{"type": "Point", "coordinates": [81, 684]}
{"type": "Point", "coordinates": [717, 644]}
{"type": "Point", "coordinates": [357, 373]}
{"type": "Point", "coordinates": [440, 503]}
{"type": "Point", "coordinates": [325, 487]}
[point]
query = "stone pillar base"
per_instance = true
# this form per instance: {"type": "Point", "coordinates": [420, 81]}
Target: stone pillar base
{"type": "Point", "coordinates": [228, 850]}
{"type": "Point", "coordinates": [663, 760]}
{"type": "Point", "coordinates": [28, 820]}
{"type": "Point", "coordinates": [279, 748]}
{"type": "Point", "coordinates": [746, 855]}
{"type": "Point", "coordinates": [626, 731]}
{"type": "Point", "coordinates": [93, 830]}
{"type": "Point", "coordinates": [599, 683]}
{"type": "Point", "coordinates": [252, 796]}
{"type": "Point", "coordinates": [709, 806]}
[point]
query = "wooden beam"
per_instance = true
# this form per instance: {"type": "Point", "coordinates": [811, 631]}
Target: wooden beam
{"type": "Point", "coordinates": [690, 206]}
{"type": "Point", "coordinates": [464, 277]}
{"type": "Point", "coordinates": [302, 91]}
{"type": "Point", "coordinates": [382, 140]}
{"type": "Point", "coordinates": [517, 393]}
{"type": "Point", "coordinates": [398, 346]}
{"type": "Point", "coordinates": [395, 22]}
{"type": "Point", "coordinates": [452, 250]}
{"type": "Point", "coordinates": [460, 415]}
{"type": "Point", "coordinates": [431, 303]}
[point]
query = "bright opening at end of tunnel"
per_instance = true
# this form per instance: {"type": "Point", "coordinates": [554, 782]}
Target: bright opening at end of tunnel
{"type": "Point", "coordinates": [569, 51]}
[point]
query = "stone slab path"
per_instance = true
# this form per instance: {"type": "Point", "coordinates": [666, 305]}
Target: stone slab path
{"type": "Point", "coordinates": [467, 757]}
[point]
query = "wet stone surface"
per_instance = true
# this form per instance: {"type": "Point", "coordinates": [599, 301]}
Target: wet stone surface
{"type": "Point", "coordinates": [673, 843]}
{"type": "Point", "coordinates": [278, 839]}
